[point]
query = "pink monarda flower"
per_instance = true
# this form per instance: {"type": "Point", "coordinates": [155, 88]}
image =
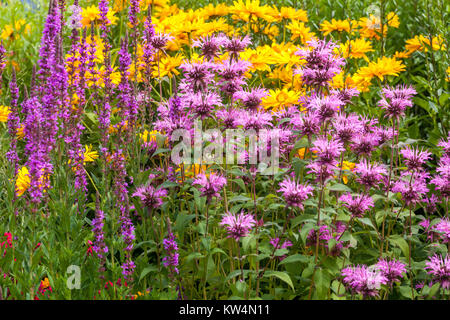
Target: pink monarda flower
{"type": "Point", "coordinates": [439, 268]}
{"type": "Point", "coordinates": [392, 269]}
{"type": "Point", "coordinates": [238, 226]}
{"type": "Point", "coordinates": [369, 174]}
{"type": "Point", "coordinates": [442, 178]}
{"type": "Point", "coordinates": [363, 280]}
{"type": "Point", "coordinates": [210, 185]}
{"type": "Point", "coordinates": [365, 143]}
{"type": "Point", "coordinates": [412, 189]}
{"type": "Point", "coordinates": [415, 158]}
{"type": "Point", "coordinates": [235, 45]}
{"type": "Point", "coordinates": [443, 229]}
{"type": "Point", "coordinates": [210, 46]}
{"type": "Point", "coordinates": [396, 100]}
{"type": "Point", "coordinates": [358, 204]}
{"type": "Point", "coordinates": [251, 99]}
{"type": "Point", "coordinates": [327, 151]}
{"type": "Point", "coordinates": [445, 144]}
{"type": "Point", "coordinates": [295, 193]}
{"type": "Point", "coordinates": [151, 198]}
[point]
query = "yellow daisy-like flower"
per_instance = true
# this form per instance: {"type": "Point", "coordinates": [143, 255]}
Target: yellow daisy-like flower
{"type": "Point", "coordinates": [300, 31]}
{"type": "Point", "coordinates": [384, 66]}
{"type": "Point", "coordinates": [250, 8]}
{"type": "Point", "coordinates": [392, 20]}
{"type": "Point", "coordinates": [286, 13]}
{"type": "Point", "coordinates": [421, 43]}
{"type": "Point", "coordinates": [356, 48]}
{"type": "Point", "coordinates": [23, 181]}
{"type": "Point", "coordinates": [4, 112]}
{"type": "Point", "coordinates": [401, 54]}
{"type": "Point", "coordinates": [211, 11]}
{"type": "Point", "coordinates": [279, 99]}
{"type": "Point", "coordinates": [335, 25]}
{"type": "Point", "coordinates": [8, 33]}
{"type": "Point", "coordinates": [13, 32]}
{"type": "Point", "coordinates": [92, 14]}
{"type": "Point", "coordinates": [168, 66]}
{"type": "Point", "coordinates": [346, 165]}
{"type": "Point", "coordinates": [89, 155]}
{"type": "Point", "coordinates": [259, 58]}
{"type": "Point", "coordinates": [448, 75]}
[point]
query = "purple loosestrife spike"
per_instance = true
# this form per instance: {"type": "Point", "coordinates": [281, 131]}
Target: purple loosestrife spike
{"type": "Point", "coordinates": [170, 261]}
{"type": "Point", "coordinates": [439, 268]}
{"type": "Point", "coordinates": [239, 225]}
{"type": "Point", "coordinates": [99, 246]}
{"type": "Point", "coordinates": [36, 129]}
{"type": "Point", "coordinates": [2, 62]}
{"type": "Point", "coordinates": [127, 102]}
{"type": "Point", "coordinates": [133, 12]}
{"type": "Point", "coordinates": [295, 194]}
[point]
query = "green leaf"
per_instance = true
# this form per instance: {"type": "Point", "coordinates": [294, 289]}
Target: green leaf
{"type": "Point", "coordinates": [239, 198]}
{"type": "Point", "coordinates": [401, 243]}
{"type": "Point", "coordinates": [283, 276]}
{"type": "Point", "coordinates": [340, 187]}
{"type": "Point", "coordinates": [147, 271]}
{"type": "Point", "coordinates": [434, 289]}
{"type": "Point", "coordinates": [295, 258]}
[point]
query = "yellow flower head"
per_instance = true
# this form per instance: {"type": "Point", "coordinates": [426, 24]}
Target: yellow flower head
{"type": "Point", "coordinates": [22, 181]}
{"type": "Point", "coordinates": [279, 99]}
{"type": "Point", "coordinates": [89, 155]}
{"type": "Point", "coordinates": [300, 31]}
{"type": "Point", "coordinates": [168, 66]}
{"type": "Point", "coordinates": [382, 67]}
{"type": "Point", "coordinates": [4, 112]}
{"type": "Point", "coordinates": [335, 25]}
{"type": "Point", "coordinates": [356, 48]}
